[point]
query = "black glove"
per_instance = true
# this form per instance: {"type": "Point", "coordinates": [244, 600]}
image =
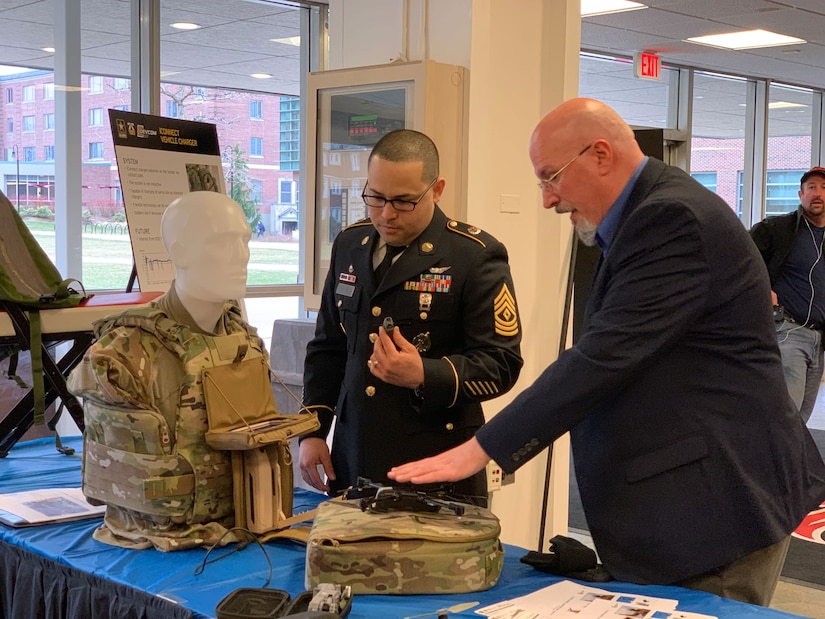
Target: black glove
{"type": "Point", "coordinates": [568, 557]}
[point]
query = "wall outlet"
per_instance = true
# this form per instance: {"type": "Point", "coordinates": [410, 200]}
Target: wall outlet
{"type": "Point", "coordinates": [494, 475]}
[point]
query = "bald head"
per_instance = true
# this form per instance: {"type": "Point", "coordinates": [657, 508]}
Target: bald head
{"type": "Point", "coordinates": [578, 122]}
{"type": "Point", "coordinates": [600, 152]}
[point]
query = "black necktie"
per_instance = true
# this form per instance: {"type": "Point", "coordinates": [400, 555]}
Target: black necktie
{"type": "Point", "coordinates": [386, 263]}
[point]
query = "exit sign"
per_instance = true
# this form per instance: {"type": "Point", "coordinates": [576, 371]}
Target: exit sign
{"type": "Point", "coordinates": [646, 65]}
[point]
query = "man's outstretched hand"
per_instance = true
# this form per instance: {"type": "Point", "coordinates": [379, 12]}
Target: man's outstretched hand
{"type": "Point", "coordinates": [452, 465]}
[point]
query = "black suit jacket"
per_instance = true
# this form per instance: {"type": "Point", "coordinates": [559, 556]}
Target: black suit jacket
{"type": "Point", "coordinates": [468, 325]}
{"type": "Point", "coordinates": [688, 451]}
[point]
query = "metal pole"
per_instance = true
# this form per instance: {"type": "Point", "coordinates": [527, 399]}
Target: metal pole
{"type": "Point", "coordinates": [568, 303]}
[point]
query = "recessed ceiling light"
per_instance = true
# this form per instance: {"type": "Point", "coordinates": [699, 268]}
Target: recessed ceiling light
{"type": "Point", "coordinates": [260, 76]}
{"type": "Point", "coordinates": [603, 7]}
{"type": "Point", "coordinates": [296, 41]}
{"type": "Point", "coordinates": [185, 25]}
{"type": "Point", "coordinates": [50, 50]}
{"type": "Point", "coordinates": [749, 39]}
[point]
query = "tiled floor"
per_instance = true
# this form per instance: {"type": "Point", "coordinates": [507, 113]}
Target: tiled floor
{"type": "Point", "coordinates": [794, 598]}
{"type": "Point", "coordinates": [800, 600]}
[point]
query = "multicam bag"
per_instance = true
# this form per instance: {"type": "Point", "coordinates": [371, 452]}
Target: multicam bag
{"type": "Point", "coordinates": [403, 552]}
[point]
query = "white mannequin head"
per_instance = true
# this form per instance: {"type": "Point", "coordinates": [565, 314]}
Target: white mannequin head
{"type": "Point", "coordinates": [207, 237]}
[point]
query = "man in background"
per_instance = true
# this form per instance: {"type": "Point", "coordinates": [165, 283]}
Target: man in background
{"type": "Point", "coordinates": [692, 465]}
{"type": "Point", "coordinates": [791, 246]}
{"type": "Point", "coordinates": [417, 326]}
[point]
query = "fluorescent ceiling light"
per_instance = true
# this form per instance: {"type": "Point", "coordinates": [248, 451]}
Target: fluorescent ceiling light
{"type": "Point", "coordinates": [260, 76]}
{"type": "Point", "coordinates": [603, 7]}
{"type": "Point", "coordinates": [749, 39]}
{"type": "Point", "coordinates": [50, 50]}
{"type": "Point", "coordinates": [779, 105]}
{"type": "Point", "coordinates": [296, 41]}
{"type": "Point", "coordinates": [185, 25]}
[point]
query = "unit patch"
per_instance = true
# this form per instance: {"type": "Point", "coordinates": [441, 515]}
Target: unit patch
{"type": "Point", "coordinates": [430, 282]}
{"type": "Point", "coordinates": [504, 310]}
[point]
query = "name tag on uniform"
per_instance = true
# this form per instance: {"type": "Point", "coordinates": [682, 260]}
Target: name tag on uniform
{"type": "Point", "coordinates": [343, 289]}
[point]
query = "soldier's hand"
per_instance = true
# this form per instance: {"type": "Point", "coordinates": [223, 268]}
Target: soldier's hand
{"type": "Point", "coordinates": [395, 360]}
{"type": "Point", "coordinates": [312, 453]}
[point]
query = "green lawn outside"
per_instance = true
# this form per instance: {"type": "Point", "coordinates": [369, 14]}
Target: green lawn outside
{"type": "Point", "coordinates": [107, 259]}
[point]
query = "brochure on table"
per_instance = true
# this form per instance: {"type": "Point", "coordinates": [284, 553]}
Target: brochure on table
{"type": "Point", "coordinates": [46, 506]}
{"type": "Point", "coordinates": [158, 160]}
{"type": "Point", "coordinates": [577, 601]}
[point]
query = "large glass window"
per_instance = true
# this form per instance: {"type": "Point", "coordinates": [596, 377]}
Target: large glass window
{"type": "Point", "coordinates": [718, 133]}
{"type": "Point", "coordinates": [196, 85]}
{"type": "Point", "coordinates": [790, 120]}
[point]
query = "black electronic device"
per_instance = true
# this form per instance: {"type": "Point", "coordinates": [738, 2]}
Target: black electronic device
{"type": "Point", "coordinates": [250, 603]}
{"type": "Point", "coordinates": [778, 313]}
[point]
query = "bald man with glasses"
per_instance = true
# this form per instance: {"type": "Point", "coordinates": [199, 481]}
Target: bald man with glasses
{"type": "Point", "coordinates": [692, 464]}
{"type": "Point", "coordinates": [417, 326]}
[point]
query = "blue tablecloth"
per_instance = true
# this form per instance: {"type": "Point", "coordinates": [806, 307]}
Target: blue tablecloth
{"type": "Point", "coordinates": [35, 464]}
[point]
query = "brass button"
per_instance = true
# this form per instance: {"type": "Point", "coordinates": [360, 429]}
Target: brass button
{"type": "Point", "coordinates": [365, 240]}
{"type": "Point", "coordinates": [453, 224]}
{"type": "Point", "coordinates": [423, 315]}
{"type": "Point", "coordinates": [376, 311]}
{"type": "Point", "coordinates": [426, 247]}
{"type": "Point", "coordinates": [373, 337]}
{"type": "Point", "coordinates": [449, 426]}
{"type": "Point", "coordinates": [340, 302]}
{"type": "Point", "coordinates": [370, 391]}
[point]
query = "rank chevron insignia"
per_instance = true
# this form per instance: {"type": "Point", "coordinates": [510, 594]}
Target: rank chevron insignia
{"type": "Point", "coordinates": [506, 316]}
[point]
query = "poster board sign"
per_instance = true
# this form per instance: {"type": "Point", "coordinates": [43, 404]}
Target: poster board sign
{"type": "Point", "coordinates": [158, 160]}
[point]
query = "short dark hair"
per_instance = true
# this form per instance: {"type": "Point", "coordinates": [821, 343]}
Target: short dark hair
{"type": "Point", "coordinates": [408, 145]}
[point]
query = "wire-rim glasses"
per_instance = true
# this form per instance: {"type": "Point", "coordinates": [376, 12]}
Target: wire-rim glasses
{"type": "Point", "coordinates": [546, 183]}
{"type": "Point", "coordinates": [403, 206]}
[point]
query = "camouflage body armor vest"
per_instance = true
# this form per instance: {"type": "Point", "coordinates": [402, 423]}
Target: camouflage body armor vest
{"type": "Point", "coordinates": [157, 476]}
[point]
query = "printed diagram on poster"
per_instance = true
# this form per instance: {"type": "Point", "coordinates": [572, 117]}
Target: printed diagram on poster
{"type": "Point", "coordinates": [158, 160]}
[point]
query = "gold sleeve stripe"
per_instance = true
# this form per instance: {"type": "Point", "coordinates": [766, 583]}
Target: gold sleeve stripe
{"type": "Point", "coordinates": [455, 373]}
{"type": "Point", "coordinates": [506, 315]}
{"type": "Point", "coordinates": [484, 387]}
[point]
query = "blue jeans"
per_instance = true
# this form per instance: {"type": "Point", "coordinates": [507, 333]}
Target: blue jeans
{"type": "Point", "coordinates": [801, 350]}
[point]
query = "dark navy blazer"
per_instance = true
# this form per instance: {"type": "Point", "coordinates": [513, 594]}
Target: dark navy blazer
{"type": "Point", "coordinates": [687, 449]}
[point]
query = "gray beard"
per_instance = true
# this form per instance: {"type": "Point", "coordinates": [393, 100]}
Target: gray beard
{"type": "Point", "coordinates": [586, 232]}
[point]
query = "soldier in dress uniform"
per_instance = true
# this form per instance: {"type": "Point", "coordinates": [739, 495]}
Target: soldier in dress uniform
{"type": "Point", "coordinates": [418, 325]}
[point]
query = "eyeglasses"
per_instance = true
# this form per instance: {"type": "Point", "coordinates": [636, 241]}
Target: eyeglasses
{"type": "Point", "coordinates": [546, 183]}
{"type": "Point", "coordinates": [403, 206]}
